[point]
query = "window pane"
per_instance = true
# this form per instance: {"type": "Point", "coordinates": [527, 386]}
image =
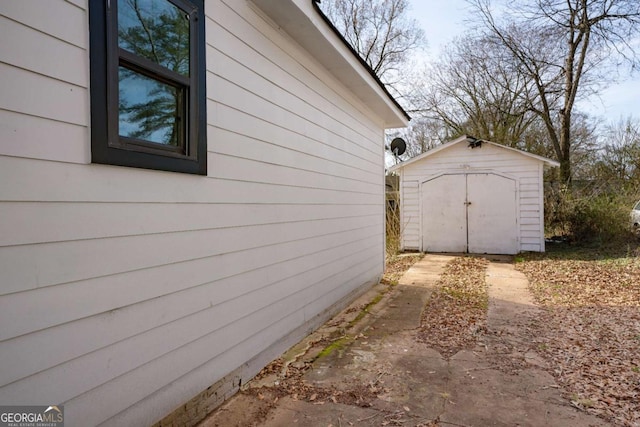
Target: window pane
{"type": "Point", "coordinates": [149, 109]}
{"type": "Point", "coordinates": [156, 30]}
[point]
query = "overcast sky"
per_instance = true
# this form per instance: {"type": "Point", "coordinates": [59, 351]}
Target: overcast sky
{"type": "Point", "coordinates": [442, 22]}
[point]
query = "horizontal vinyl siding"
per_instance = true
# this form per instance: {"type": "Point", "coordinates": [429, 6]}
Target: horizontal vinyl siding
{"type": "Point", "coordinates": [214, 282]}
{"type": "Point", "coordinates": [58, 19]}
{"type": "Point", "coordinates": [126, 292]}
{"type": "Point", "coordinates": [59, 182]}
{"type": "Point", "coordinates": [108, 288]}
{"type": "Point", "coordinates": [47, 222]}
{"type": "Point", "coordinates": [44, 85]}
{"type": "Point", "coordinates": [65, 142]}
{"type": "Point", "coordinates": [262, 89]}
{"type": "Point", "coordinates": [460, 159]}
{"type": "Point", "coordinates": [283, 297]}
{"type": "Point", "coordinates": [27, 92]}
{"type": "Point", "coordinates": [48, 55]}
{"type": "Point", "coordinates": [327, 161]}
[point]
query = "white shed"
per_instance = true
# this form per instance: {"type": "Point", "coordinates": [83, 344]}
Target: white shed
{"type": "Point", "coordinates": [473, 196]}
{"type": "Point", "coordinates": [150, 265]}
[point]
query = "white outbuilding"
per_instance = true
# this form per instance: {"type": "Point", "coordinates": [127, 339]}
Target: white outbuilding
{"type": "Point", "coordinates": [473, 196]}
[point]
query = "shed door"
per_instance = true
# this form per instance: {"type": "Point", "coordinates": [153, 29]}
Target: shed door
{"type": "Point", "coordinates": [473, 213]}
{"type": "Point", "coordinates": [491, 214]}
{"type": "Point", "coordinates": [444, 214]}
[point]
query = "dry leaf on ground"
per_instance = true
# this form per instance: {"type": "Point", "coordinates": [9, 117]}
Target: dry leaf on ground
{"type": "Point", "coordinates": [456, 311]}
{"type": "Point", "coordinates": [589, 331]}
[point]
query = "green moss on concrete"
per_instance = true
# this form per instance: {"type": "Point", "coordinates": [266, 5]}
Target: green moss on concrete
{"type": "Point", "coordinates": [366, 309]}
{"type": "Point", "coordinates": [338, 345]}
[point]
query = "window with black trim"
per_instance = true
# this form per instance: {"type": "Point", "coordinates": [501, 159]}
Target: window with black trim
{"type": "Point", "coordinates": [148, 94]}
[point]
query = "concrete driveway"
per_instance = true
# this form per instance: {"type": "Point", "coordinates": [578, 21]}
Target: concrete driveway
{"type": "Point", "coordinates": [378, 374]}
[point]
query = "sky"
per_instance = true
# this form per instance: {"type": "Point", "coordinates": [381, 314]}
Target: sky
{"type": "Point", "coordinates": [446, 20]}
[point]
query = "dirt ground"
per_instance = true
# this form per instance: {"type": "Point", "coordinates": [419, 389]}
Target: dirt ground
{"type": "Point", "coordinates": [455, 341]}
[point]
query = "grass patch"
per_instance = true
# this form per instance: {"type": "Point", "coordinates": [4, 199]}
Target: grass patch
{"type": "Point", "coordinates": [613, 250]}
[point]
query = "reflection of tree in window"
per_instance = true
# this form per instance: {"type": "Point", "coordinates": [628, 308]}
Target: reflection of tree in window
{"type": "Point", "coordinates": [152, 107]}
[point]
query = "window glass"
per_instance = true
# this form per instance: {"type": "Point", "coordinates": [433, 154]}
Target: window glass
{"type": "Point", "coordinates": [149, 109]}
{"type": "Point", "coordinates": [148, 84]}
{"type": "Point", "coordinates": [156, 30]}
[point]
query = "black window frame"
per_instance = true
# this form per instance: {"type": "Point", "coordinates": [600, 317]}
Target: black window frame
{"type": "Point", "coordinates": [107, 146]}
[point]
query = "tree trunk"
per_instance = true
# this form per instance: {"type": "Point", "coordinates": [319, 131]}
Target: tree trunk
{"type": "Point", "coordinates": [565, 148]}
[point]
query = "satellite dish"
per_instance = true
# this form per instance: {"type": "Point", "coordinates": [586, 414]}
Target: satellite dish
{"type": "Point", "coordinates": [398, 146]}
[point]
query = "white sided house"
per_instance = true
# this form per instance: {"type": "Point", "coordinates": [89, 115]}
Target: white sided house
{"type": "Point", "coordinates": [187, 188]}
{"type": "Point", "coordinates": [472, 196]}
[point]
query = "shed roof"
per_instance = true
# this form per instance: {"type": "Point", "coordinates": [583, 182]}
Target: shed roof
{"type": "Point", "coordinates": [466, 139]}
{"type": "Point", "coordinates": [309, 27]}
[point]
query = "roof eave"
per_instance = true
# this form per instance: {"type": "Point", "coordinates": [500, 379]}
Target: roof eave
{"type": "Point", "coordinates": [309, 27]}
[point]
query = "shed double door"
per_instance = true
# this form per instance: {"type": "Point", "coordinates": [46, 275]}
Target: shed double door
{"type": "Point", "coordinates": [471, 213]}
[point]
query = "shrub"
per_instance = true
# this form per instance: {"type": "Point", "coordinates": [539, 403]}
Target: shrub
{"type": "Point", "coordinates": [588, 213]}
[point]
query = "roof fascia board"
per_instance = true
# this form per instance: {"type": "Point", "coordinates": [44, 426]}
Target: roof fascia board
{"type": "Point", "coordinates": [548, 162]}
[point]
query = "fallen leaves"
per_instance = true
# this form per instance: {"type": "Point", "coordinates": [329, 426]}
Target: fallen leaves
{"type": "Point", "coordinates": [584, 283]}
{"type": "Point", "coordinates": [589, 331]}
{"type": "Point", "coordinates": [456, 310]}
{"type": "Point", "coordinates": [397, 266]}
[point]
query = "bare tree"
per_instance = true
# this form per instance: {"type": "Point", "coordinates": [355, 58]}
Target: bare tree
{"type": "Point", "coordinates": [566, 48]}
{"type": "Point", "coordinates": [380, 31]}
{"type": "Point", "coordinates": [423, 135]}
{"type": "Point", "coordinates": [477, 89]}
{"type": "Point", "coordinates": [619, 157]}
